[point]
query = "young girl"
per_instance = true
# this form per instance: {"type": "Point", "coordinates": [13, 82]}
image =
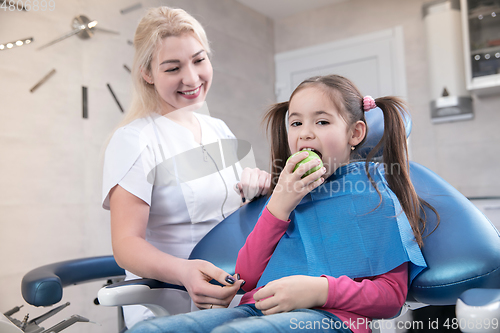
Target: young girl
{"type": "Point", "coordinates": [336, 248]}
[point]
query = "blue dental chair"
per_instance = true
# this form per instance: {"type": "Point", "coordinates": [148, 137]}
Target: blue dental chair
{"type": "Point", "coordinates": [463, 254]}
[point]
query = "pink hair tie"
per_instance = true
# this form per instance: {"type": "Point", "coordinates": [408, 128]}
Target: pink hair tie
{"type": "Point", "coordinates": [368, 103]}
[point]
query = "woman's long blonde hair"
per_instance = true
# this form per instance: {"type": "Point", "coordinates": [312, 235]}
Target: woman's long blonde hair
{"type": "Point", "coordinates": [157, 24]}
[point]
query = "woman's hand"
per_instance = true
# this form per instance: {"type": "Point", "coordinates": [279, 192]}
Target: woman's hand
{"type": "Point", "coordinates": [196, 276]}
{"type": "Point", "coordinates": [291, 293]}
{"type": "Point", "coordinates": [291, 187]}
{"type": "Point", "coordinates": [253, 183]}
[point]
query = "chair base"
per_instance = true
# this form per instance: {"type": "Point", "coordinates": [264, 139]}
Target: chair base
{"type": "Point", "coordinates": [478, 311]}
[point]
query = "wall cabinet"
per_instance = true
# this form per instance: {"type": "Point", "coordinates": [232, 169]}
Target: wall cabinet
{"type": "Point", "coordinates": [481, 29]}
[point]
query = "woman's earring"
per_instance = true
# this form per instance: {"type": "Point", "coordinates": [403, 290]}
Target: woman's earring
{"type": "Point", "coordinates": [352, 147]}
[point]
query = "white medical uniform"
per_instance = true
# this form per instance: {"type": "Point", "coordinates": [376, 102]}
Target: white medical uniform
{"type": "Point", "coordinates": [182, 209]}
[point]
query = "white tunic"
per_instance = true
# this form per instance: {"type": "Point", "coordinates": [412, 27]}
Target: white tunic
{"type": "Point", "coordinates": [188, 186]}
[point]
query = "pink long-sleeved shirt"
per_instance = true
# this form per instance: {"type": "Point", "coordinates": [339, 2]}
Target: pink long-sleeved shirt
{"type": "Point", "coordinates": [355, 302]}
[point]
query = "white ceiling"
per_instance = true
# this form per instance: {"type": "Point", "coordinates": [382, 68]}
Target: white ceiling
{"type": "Point", "coordinates": [277, 9]}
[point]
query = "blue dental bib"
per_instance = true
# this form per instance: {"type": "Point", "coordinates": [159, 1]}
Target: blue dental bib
{"type": "Point", "coordinates": [343, 228]}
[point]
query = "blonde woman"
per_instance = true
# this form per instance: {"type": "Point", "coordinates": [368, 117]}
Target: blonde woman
{"type": "Point", "coordinates": [163, 181]}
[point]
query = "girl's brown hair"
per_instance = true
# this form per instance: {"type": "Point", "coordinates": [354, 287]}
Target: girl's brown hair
{"type": "Point", "coordinates": [349, 101]}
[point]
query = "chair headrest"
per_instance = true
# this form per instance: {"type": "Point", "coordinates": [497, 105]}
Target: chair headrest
{"type": "Point", "coordinates": [375, 121]}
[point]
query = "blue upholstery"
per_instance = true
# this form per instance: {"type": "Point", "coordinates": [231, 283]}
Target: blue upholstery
{"type": "Point", "coordinates": [463, 252]}
{"type": "Point", "coordinates": [375, 121]}
{"type": "Point", "coordinates": [43, 286]}
{"type": "Point", "coordinates": [221, 245]}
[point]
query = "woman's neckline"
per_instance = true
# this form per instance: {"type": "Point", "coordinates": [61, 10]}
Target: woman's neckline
{"type": "Point", "coordinates": [198, 126]}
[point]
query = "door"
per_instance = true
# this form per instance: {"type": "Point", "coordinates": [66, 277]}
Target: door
{"type": "Point", "coordinates": [374, 62]}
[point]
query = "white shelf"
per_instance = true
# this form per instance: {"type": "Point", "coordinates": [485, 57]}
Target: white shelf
{"type": "Point", "coordinates": [487, 83]}
{"type": "Point", "coordinates": [492, 49]}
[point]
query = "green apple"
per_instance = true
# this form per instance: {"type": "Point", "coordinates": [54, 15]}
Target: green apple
{"type": "Point", "coordinates": [312, 155]}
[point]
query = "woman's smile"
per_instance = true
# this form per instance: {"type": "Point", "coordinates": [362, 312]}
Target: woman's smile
{"type": "Point", "coordinates": [191, 94]}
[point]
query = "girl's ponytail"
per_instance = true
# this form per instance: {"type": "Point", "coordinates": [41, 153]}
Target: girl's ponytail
{"type": "Point", "coordinates": [396, 162]}
{"type": "Point", "coordinates": [275, 122]}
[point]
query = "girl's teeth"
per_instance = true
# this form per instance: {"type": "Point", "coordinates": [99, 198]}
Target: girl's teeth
{"type": "Point", "coordinates": [311, 149]}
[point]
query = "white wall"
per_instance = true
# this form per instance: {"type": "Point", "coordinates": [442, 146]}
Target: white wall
{"type": "Point", "coordinates": [50, 164]}
{"type": "Point", "coordinates": [463, 153]}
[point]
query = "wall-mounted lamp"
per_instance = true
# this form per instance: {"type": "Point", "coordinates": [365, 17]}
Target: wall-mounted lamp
{"type": "Point", "coordinates": [450, 100]}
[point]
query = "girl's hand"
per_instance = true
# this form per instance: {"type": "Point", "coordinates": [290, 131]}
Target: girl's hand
{"type": "Point", "coordinates": [254, 183]}
{"type": "Point", "coordinates": [291, 187]}
{"type": "Point", "coordinates": [291, 293]}
{"type": "Point", "coordinates": [196, 277]}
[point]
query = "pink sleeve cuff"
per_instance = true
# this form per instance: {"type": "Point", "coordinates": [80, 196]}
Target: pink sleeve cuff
{"type": "Point", "coordinates": [375, 297]}
{"type": "Point", "coordinates": [330, 300]}
{"type": "Point", "coordinates": [268, 216]}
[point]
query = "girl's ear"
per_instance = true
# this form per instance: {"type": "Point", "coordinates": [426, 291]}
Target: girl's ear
{"type": "Point", "coordinates": [146, 75]}
{"type": "Point", "coordinates": [358, 132]}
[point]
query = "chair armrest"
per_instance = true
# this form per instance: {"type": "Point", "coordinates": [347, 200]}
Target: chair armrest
{"type": "Point", "coordinates": [147, 292]}
{"type": "Point", "coordinates": [478, 310]}
{"type": "Point", "coordinates": [43, 286]}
